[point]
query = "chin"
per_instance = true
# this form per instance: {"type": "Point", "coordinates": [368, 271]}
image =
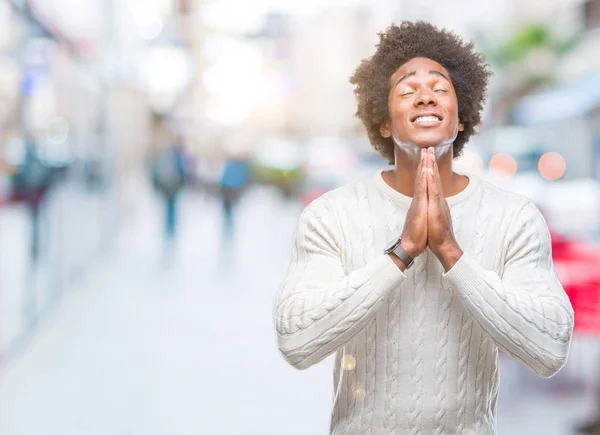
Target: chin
{"type": "Point", "coordinates": [412, 146]}
{"type": "Point", "coordinates": [432, 141]}
{"type": "Point", "coordinates": [429, 143]}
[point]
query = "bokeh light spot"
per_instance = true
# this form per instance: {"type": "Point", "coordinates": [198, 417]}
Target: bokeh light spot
{"type": "Point", "coordinates": [358, 391]}
{"type": "Point", "coordinates": [349, 362]}
{"type": "Point", "coordinates": [552, 166]}
{"type": "Point", "coordinates": [503, 165]}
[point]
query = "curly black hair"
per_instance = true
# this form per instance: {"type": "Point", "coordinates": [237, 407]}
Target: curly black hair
{"type": "Point", "coordinates": [399, 44]}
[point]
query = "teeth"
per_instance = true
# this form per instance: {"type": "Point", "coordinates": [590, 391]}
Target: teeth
{"type": "Point", "coordinates": [427, 119]}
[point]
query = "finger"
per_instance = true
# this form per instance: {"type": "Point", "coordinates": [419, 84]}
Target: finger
{"type": "Point", "coordinates": [431, 203]}
{"type": "Point", "coordinates": [420, 191]}
{"type": "Point", "coordinates": [424, 184]}
{"type": "Point", "coordinates": [433, 187]}
{"type": "Point", "coordinates": [423, 163]}
{"type": "Point", "coordinates": [425, 160]}
{"type": "Point", "coordinates": [421, 185]}
{"type": "Point", "coordinates": [437, 178]}
{"type": "Point", "coordinates": [419, 175]}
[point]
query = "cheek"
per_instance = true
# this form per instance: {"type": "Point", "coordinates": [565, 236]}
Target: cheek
{"type": "Point", "coordinates": [398, 107]}
{"type": "Point", "coordinates": [454, 107]}
{"type": "Point", "coordinates": [453, 115]}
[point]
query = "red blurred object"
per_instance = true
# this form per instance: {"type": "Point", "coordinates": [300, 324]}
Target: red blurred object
{"type": "Point", "coordinates": [578, 268]}
{"type": "Point", "coordinates": [310, 195]}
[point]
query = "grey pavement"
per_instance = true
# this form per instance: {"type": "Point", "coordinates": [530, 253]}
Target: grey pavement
{"type": "Point", "coordinates": [150, 346]}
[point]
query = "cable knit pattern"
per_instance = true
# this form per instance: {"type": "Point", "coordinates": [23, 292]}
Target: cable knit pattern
{"type": "Point", "coordinates": [483, 220]}
{"type": "Point", "coordinates": [528, 295]}
{"type": "Point", "coordinates": [457, 214]}
{"type": "Point", "coordinates": [482, 223]}
{"type": "Point", "coordinates": [370, 378]}
{"type": "Point", "coordinates": [416, 350]}
{"type": "Point", "coordinates": [424, 342]}
{"type": "Point", "coordinates": [463, 359]}
{"type": "Point", "coordinates": [495, 382]}
{"type": "Point", "coordinates": [393, 226]}
{"type": "Point", "coordinates": [441, 352]}
{"type": "Point", "coordinates": [391, 385]}
{"type": "Point", "coordinates": [479, 385]}
{"type": "Point", "coordinates": [350, 396]}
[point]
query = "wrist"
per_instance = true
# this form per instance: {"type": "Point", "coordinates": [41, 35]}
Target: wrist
{"type": "Point", "coordinates": [397, 261]}
{"type": "Point", "coordinates": [445, 248]}
{"type": "Point", "coordinates": [448, 255]}
{"type": "Point", "coordinates": [410, 249]}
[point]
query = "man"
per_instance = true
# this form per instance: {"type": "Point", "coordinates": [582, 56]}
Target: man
{"type": "Point", "coordinates": [416, 276]}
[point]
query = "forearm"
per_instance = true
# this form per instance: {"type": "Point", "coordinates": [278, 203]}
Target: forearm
{"type": "Point", "coordinates": [532, 321]}
{"type": "Point", "coordinates": [313, 323]}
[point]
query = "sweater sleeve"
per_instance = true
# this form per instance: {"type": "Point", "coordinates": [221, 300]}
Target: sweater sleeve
{"type": "Point", "coordinates": [320, 307]}
{"type": "Point", "coordinates": [526, 311]}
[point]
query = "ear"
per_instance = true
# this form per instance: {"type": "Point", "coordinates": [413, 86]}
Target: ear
{"type": "Point", "coordinates": [384, 129]}
{"type": "Point", "coordinates": [461, 126]}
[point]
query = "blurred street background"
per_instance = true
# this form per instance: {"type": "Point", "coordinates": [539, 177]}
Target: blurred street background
{"type": "Point", "coordinates": [155, 156]}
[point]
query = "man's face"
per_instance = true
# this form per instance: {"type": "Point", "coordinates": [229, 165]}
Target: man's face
{"type": "Point", "coordinates": [422, 105]}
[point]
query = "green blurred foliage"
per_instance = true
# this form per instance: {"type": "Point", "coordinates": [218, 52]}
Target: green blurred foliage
{"type": "Point", "coordinates": [288, 181]}
{"type": "Point", "coordinates": [511, 59]}
{"type": "Point", "coordinates": [523, 41]}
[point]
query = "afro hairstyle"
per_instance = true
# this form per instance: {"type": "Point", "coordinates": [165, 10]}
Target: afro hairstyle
{"type": "Point", "coordinates": [397, 45]}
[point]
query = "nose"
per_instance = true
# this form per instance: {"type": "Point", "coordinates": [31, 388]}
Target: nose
{"type": "Point", "coordinates": [425, 97]}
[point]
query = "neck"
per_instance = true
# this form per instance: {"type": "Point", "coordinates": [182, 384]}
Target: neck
{"type": "Point", "coordinates": [402, 178]}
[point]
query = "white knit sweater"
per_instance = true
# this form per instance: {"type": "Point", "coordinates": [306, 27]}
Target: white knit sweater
{"type": "Point", "coordinates": [417, 352]}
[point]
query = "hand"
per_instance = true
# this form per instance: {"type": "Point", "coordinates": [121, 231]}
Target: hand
{"type": "Point", "coordinates": [440, 234]}
{"type": "Point", "coordinates": [414, 234]}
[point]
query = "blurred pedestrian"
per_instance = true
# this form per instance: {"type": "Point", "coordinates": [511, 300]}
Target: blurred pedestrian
{"type": "Point", "coordinates": [168, 176]}
{"type": "Point", "coordinates": [416, 277]}
{"type": "Point", "coordinates": [32, 180]}
{"type": "Point", "coordinates": [235, 178]}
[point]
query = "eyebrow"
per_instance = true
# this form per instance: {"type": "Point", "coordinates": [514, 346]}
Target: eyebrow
{"type": "Point", "coordinates": [412, 73]}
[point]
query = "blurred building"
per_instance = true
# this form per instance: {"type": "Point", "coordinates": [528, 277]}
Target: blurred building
{"type": "Point", "coordinates": [79, 84]}
{"type": "Point", "coordinates": [563, 115]}
{"type": "Point", "coordinates": [325, 49]}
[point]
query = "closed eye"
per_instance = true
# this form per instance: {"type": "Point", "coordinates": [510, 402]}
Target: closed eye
{"type": "Point", "coordinates": [440, 90]}
{"type": "Point", "coordinates": [406, 94]}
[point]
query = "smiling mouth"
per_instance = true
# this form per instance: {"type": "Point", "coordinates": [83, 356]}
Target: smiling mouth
{"type": "Point", "coordinates": [427, 120]}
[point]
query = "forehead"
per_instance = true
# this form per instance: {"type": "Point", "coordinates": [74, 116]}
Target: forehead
{"type": "Point", "coordinates": [421, 65]}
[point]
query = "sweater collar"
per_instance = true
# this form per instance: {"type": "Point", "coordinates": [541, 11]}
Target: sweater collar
{"type": "Point", "coordinates": [385, 188]}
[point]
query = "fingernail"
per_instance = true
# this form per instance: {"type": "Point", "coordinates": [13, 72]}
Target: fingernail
{"type": "Point", "coordinates": [430, 171]}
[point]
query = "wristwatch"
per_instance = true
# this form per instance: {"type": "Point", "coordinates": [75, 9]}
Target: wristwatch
{"type": "Point", "coordinates": [395, 247]}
